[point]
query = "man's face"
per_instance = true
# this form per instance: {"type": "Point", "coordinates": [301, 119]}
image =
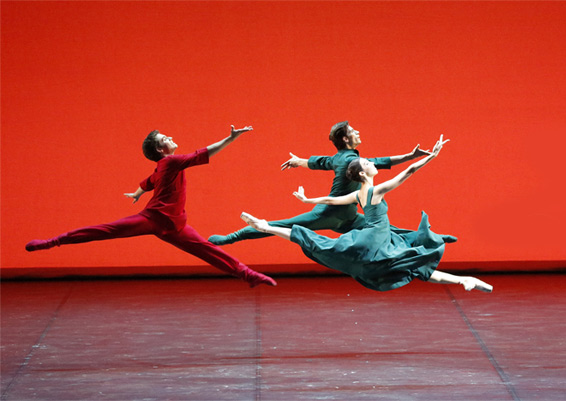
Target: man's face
{"type": "Point", "coordinates": [165, 144]}
{"type": "Point", "coordinates": [353, 138]}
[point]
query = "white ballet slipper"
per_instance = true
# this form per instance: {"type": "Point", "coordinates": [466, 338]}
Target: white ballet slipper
{"type": "Point", "coordinates": [472, 283]}
{"type": "Point", "coordinates": [254, 222]}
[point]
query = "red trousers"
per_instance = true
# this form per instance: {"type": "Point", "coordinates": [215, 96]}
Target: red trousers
{"type": "Point", "coordinates": [187, 240]}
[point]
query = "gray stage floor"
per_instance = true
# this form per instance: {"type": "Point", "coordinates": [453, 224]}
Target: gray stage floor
{"type": "Point", "coordinates": [316, 338]}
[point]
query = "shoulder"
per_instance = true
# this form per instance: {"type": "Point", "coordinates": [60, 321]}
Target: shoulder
{"type": "Point", "coordinates": [344, 157]}
{"type": "Point", "coordinates": [348, 154]}
{"type": "Point", "coordinates": [180, 158]}
{"type": "Point", "coordinates": [169, 162]}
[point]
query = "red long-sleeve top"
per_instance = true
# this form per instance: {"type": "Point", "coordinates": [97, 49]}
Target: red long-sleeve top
{"type": "Point", "coordinates": [169, 186]}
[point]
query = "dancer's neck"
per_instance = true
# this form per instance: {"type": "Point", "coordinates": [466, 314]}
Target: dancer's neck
{"type": "Point", "coordinates": [367, 182]}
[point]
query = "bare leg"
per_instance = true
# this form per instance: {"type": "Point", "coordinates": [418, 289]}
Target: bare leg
{"type": "Point", "coordinates": [468, 282]}
{"type": "Point", "coordinates": [263, 226]}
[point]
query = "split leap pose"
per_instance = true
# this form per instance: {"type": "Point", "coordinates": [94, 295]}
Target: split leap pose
{"type": "Point", "coordinates": [340, 218]}
{"type": "Point", "coordinates": [164, 215]}
{"type": "Point", "coordinates": [379, 256]}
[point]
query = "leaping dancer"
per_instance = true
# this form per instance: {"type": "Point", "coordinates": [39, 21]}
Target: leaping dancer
{"type": "Point", "coordinates": [379, 256]}
{"type": "Point", "coordinates": [164, 215]}
{"type": "Point", "coordinates": [339, 218]}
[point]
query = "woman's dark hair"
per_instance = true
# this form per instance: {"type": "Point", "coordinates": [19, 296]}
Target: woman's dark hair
{"type": "Point", "coordinates": [337, 134]}
{"type": "Point", "coordinates": [150, 147]}
{"type": "Point", "coordinates": [354, 170]}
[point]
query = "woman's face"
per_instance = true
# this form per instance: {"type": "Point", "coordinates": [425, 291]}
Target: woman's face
{"type": "Point", "coordinates": [368, 167]}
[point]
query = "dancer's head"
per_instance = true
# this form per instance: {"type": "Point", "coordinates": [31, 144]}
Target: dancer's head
{"type": "Point", "coordinates": [343, 136]}
{"type": "Point", "coordinates": [359, 169]}
{"type": "Point", "coordinates": [156, 146]}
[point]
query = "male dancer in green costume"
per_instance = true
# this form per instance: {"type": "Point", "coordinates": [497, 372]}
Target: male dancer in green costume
{"type": "Point", "coordinates": [341, 218]}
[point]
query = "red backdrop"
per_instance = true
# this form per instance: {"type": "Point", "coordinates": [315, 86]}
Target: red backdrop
{"type": "Point", "coordinates": [84, 82]}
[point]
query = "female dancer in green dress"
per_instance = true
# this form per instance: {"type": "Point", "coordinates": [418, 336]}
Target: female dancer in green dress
{"type": "Point", "coordinates": [379, 256]}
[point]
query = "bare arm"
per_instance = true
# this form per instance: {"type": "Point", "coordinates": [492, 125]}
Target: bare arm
{"type": "Point", "coordinates": [293, 162]}
{"type": "Point", "coordinates": [416, 153]}
{"type": "Point", "coordinates": [135, 195]}
{"type": "Point", "coordinates": [218, 146]}
{"type": "Point", "coordinates": [327, 200]}
{"type": "Point", "coordinates": [383, 188]}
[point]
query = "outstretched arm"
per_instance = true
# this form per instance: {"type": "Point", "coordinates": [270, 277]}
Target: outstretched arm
{"type": "Point", "coordinates": [327, 200]}
{"type": "Point", "coordinates": [416, 153]}
{"type": "Point", "coordinates": [135, 195]}
{"type": "Point", "coordinates": [218, 146]}
{"type": "Point", "coordinates": [383, 188]}
{"type": "Point", "coordinates": [294, 161]}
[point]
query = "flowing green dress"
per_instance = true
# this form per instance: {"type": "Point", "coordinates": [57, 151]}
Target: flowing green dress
{"type": "Point", "coordinates": [379, 256]}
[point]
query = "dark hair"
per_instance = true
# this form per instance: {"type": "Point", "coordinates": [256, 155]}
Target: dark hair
{"type": "Point", "coordinates": [337, 134]}
{"type": "Point", "coordinates": [150, 147]}
{"type": "Point", "coordinates": [354, 170]}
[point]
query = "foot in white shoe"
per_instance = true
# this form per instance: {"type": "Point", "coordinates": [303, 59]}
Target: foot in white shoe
{"type": "Point", "coordinates": [259, 225]}
{"type": "Point", "coordinates": [471, 283]}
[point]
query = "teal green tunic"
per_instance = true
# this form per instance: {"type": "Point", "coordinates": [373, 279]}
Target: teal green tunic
{"type": "Point", "coordinates": [340, 184]}
{"type": "Point", "coordinates": [379, 256]}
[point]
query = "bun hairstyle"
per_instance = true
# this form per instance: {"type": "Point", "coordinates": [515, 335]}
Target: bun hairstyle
{"type": "Point", "coordinates": [337, 134]}
{"type": "Point", "coordinates": [354, 170]}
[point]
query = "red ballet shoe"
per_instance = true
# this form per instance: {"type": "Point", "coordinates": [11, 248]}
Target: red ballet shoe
{"type": "Point", "coordinates": [254, 278]}
{"type": "Point", "coordinates": [39, 244]}
{"type": "Point", "coordinates": [258, 278]}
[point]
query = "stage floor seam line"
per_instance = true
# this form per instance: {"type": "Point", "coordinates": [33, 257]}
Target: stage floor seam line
{"type": "Point", "coordinates": [485, 349]}
{"type": "Point", "coordinates": [258, 349]}
{"type": "Point", "coordinates": [37, 344]}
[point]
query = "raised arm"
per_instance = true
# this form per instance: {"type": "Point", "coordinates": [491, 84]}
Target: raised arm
{"type": "Point", "coordinates": [383, 188]}
{"type": "Point", "coordinates": [327, 200]}
{"type": "Point", "coordinates": [416, 153]}
{"type": "Point", "coordinates": [218, 146]}
{"type": "Point", "coordinates": [294, 161]}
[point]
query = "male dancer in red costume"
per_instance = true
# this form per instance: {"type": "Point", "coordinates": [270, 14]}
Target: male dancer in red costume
{"type": "Point", "coordinates": [164, 215]}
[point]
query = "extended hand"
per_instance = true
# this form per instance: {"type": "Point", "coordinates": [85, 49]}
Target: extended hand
{"type": "Point", "coordinates": [439, 145]}
{"type": "Point", "coordinates": [234, 133]}
{"type": "Point", "coordinates": [300, 194]}
{"type": "Point", "coordinates": [291, 163]}
{"type": "Point", "coordinates": [418, 152]}
{"type": "Point", "coordinates": [133, 196]}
